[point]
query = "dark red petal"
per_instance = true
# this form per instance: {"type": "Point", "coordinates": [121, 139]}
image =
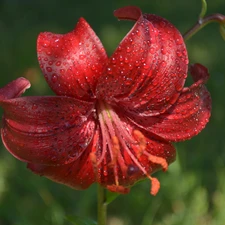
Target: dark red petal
{"type": "Point", "coordinates": [78, 174]}
{"type": "Point", "coordinates": [199, 72]}
{"type": "Point", "coordinates": [128, 12]}
{"type": "Point", "coordinates": [188, 116]}
{"type": "Point", "coordinates": [72, 62]}
{"type": "Point", "coordinates": [14, 89]}
{"type": "Point", "coordinates": [47, 130]}
{"type": "Point", "coordinates": [146, 73]}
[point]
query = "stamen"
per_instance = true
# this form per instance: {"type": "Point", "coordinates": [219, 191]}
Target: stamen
{"type": "Point", "coordinates": [158, 160]}
{"type": "Point", "coordinates": [93, 159]}
{"type": "Point", "coordinates": [116, 148]}
{"type": "Point", "coordinates": [155, 185]}
{"type": "Point", "coordinates": [141, 140]}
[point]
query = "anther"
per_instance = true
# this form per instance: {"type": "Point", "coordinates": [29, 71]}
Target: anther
{"type": "Point", "coordinates": [141, 141]}
{"type": "Point", "coordinates": [155, 185]}
{"type": "Point", "coordinates": [158, 160]}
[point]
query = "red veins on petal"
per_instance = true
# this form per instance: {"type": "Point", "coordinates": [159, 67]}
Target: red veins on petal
{"type": "Point", "coordinates": [47, 130]}
{"type": "Point", "coordinates": [73, 62]}
{"type": "Point", "coordinates": [146, 73]}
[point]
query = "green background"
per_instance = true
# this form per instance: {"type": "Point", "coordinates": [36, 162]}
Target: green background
{"type": "Point", "coordinates": [192, 191]}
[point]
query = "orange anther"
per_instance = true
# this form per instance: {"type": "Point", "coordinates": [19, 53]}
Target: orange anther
{"type": "Point", "coordinates": [93, 158]}
{"type": "Point", "coordinates": [155, 186]}
{"type": "Point", "coordinates": [158, 160]}
{"type": "Point", "coordinates": [141, 141]}
{"type": "Point", "coordinates": [116, 144]}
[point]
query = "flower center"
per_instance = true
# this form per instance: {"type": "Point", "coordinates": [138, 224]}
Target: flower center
{"type": "Point", "coordinates": [120, 141]}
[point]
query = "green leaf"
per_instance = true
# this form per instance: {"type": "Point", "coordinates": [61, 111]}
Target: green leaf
{"type": "Point", "coordinates": [77, 220]}
{"type": "Point", "coordinates": [222, 30]}
{"type": "Point", "coordinates": [111, 196]}
{"type": "Point", "coordinates": [204, 9]}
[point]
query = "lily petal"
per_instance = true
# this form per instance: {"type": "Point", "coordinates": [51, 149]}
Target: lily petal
{"type": "Point", "coordinates": [47, 130]}
{"type": "Point", "coordinates": [146, 73]}
{"type": "Point", "coordinates": [14, 89]}
{"type": "Point", "coordinates": [78, 174]}
{"type": "Point", "coordinates": [73, 62]}
{"type": "Point", "coordinates": [188, 116]}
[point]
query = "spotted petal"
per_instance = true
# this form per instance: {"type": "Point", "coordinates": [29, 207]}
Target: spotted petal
{"type": "Point", "coordinates": [73, 62]}
{"type": "Point", "coordinates": [146, 73]}
{"type": "Point", "coordinates": [47, 130]}
{"type": "Point", "coordinates": [188, 116]}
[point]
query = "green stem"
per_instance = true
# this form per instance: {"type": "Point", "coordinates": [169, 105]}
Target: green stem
{"type": "Point", "coordinates": [102, 206]}
{"type": "Point", "coordinates": [202, 22]}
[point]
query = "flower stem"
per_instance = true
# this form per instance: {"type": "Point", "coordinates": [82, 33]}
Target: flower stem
{"type": "Point", "coordinates": [102, 206]}
{"type": "Point", "coordinates": [202, 22]}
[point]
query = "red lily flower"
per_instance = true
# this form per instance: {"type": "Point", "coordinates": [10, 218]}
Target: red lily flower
{"type": "Point", "coordinates": [115, 117]}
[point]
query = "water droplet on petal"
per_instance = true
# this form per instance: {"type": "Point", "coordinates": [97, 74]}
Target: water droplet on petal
{"type": "Point", "coordinates": [113, 60]}
{"type": "Point", "coordinates": [45, 44]}
{"type": "Point", "coordinates": [49, 69]}
{"type": "Point", "coordinates": [109, 70]}
{"type": "Point", "coordinates": [81, 57]}
{"type": "Point", "coordinates": [58, 63]}
{"type": "Point", "coordinates": [34, 106]}
{"type": "Point", "coordinates": [54, 78]}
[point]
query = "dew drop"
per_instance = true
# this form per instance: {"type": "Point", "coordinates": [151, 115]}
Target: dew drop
{"type": "Point", "coordinates": [152, 50]}
{"type": "Point", "coordinates": [45, 44]}
{"type": "Point", "coordinates": [113, 60]}
{"type": "Point", "coordinates": [49, 69]}
{"type": "Point", "coordinates": [163, 51]}
{"type": "Point", "coordinates": [81, 57]}
{"type": "Point", "coordinates": [163, 64]}
{"type": "Point", "coordinates": [109, 70]}
{"type": "Point", "coordinates": [126, 60]}
{"type": "Point", "coordinates": [54, 78]}
{"type": "Point", "coordinates": [58, 63]}
{"type": "Point", "coordinates": [179, 54]}
{"type": "Point", "coordinates": [179, 41]}
{"type": "Point", "coordinates": [128, 49]}
{"type": "Point", "coordinates": [62, 71]}
{"type": "Point", "coordinates": [34, 106]}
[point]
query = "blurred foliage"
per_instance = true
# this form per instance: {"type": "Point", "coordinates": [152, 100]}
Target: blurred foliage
{"type": "Point", "coordinates": [192, 191]}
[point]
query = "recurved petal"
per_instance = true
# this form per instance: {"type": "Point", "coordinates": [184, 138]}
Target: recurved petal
{"type": "Point", "coordinates": [146, 73]}
{"type": "Point", "coordinates": [188, 116]}
{"type": "Point", "coordinates": [14, 89]}
{"type": "Point", "coordinates": [78, 174]}
{"type": "Point", "coordinates": [72, 62]}
{"type": "Point", "coordinates": [47, 130]}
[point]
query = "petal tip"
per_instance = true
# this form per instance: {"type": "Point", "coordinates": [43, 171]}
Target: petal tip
{"type": "Point", "coordinates": [14, 89]}
{"type": "Point", "coordinates": [199, 72]}
{"type": "Point", "coordinates": [128, 13]}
